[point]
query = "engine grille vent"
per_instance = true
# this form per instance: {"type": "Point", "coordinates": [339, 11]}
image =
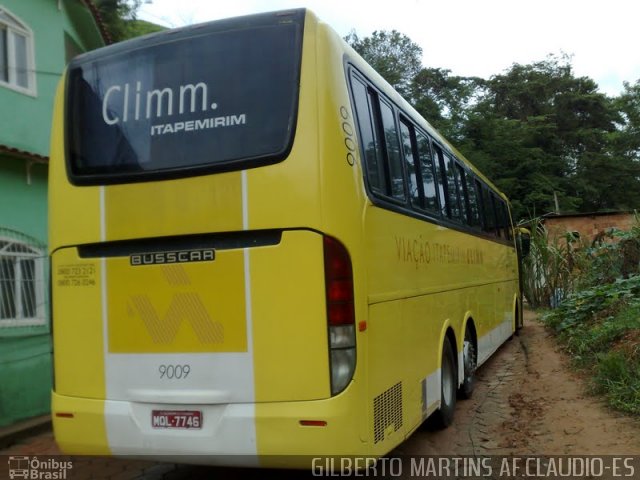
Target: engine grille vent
{"type": "Point", "coordinates": [387, 411]}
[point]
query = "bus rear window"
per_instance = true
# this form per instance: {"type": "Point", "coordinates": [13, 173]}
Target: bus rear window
{"type": "Point", "coordinates": [217, 97]}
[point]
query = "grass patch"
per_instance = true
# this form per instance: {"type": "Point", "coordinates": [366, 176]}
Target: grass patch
{"type": "Point", "coordinates": [600, 327]}
{"type": "Point", "coordinates": [619, 381]}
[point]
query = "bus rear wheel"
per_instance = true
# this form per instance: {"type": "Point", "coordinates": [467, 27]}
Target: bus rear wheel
{"type": "Point", "coordinates": [470, 363]}
{"type": "Point", "coordinates": [443, 417]}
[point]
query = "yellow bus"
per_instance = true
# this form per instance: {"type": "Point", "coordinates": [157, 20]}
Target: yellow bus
{"type": "Point", "coordinates": [259, 248]}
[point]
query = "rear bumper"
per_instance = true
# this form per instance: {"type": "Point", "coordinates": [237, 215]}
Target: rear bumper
{"type": "Point", "coordinates": [268, 434]}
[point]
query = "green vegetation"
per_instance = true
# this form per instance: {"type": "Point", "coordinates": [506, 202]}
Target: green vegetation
{"type": "Point", "coordinates": [546, 270]}
{"type": "Point", "coordinates": [120, 19]}
{"type": "Point", "coordinates": [141, 27]}
{"type": "Point", "coordinates": [598, 321]}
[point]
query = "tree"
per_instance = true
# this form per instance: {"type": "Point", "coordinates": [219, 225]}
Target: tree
{"type": "Point", "coordinates": [543, 133]}
{"type": "Point", "coordinates": [393, 55]}
{"type": "Point", "coordinates": [627, 138]}
{"type": "Point", "coordinates": [137, 28]}
{"type": "Point", "coordinates": [624, 168]}
{"type": "Point", "coordinates": [445, 100]}
{"type": "Point", "coordinates": [120, 17]}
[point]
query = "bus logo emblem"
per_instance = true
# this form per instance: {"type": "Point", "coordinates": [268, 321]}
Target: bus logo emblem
{"type": "Point", "coordinates": [19, 467]}
{"type": "Point", "coordinates": [184, 307]}
{"type": "Point", "coordinates": [164, 258]}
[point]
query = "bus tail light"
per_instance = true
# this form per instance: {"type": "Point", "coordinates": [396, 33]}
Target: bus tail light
{"type": "Point", "coordinates": [340, 314]}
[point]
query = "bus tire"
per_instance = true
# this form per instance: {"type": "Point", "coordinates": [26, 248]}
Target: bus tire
{"type": "Point", "coordinates": [470, 364]}
{"type": "Point", "coordinates": [519, 320]}
{"type": "Point", "coordinates": [443, 417]}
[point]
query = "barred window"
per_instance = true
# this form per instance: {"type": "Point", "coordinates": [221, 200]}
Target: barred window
{"type": "Point", "coordinates": [21, 284]}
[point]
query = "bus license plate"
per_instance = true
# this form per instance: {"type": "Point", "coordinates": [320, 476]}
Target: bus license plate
{"type": "Point", "coordinates": [176, 419]}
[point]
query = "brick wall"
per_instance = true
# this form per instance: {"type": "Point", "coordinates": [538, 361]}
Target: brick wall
{"type": "Point", "coordinates": [588, 226]}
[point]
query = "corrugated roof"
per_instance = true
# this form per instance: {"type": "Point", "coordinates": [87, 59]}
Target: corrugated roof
{"type": "Point", "coordinates": [98, 18]}
{"type": "Point", "coordinates": [16, 152]}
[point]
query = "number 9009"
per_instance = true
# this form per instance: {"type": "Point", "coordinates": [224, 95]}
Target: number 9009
{"type": "Point", "coordinates": [171, 372]}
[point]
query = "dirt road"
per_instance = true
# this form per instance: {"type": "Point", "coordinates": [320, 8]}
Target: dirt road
{"type": "Point", "coordinates": [529, 402]}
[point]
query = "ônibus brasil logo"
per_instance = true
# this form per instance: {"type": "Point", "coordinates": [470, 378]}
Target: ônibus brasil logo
{"type": "Point", "coordinates": [36, 469]}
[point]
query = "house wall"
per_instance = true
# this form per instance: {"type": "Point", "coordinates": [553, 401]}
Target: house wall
{"type": "Point", "coordinates": [27, 128]}
{"type": "Point", "coordinates": [23, 205]}
{"type": "Point", "coordinates": [25, 373]}
{"type": "Point", "coordinates": [25, 351]}
{"type": "Point", "coordinates": [589, 226]}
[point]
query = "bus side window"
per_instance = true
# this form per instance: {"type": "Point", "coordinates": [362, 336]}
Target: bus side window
{"type": "Point", "coordinates": [427, 174]}
{"type": "Point", "coordinates": [481, 207]}
{"type": "Point", "coordinates": [507, 216]}
{"type": "Point", "coordinates": [498, 216]}
{"type": "Point", "coordinates": [441, 179]}
{"type": "Point", "coordinates": [503, 213]}
{"type": "Point", "coordinates": [394, 160]}
{"type": "Point", "coordinates": [489, 211]}
{"type": "Point", "coordinates": [408, 147]}
{"type": "Point", "coordinates": [370, 145]}
{"type": "Point", "coordinates": [501, 219]}
{"type": "Point", "coordinates": [462, 197]}
{"type": "Point", "coordinates": [474, 207]}
{"type": "Point", "coordinates": [452, 188]}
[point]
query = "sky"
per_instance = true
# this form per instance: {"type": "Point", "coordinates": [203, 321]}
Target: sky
{"type": "Point", "coordinates": [469, 37]}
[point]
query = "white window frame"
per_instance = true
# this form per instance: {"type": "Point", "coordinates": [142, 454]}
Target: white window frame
{"type": "Point", "coordinates": [38, 257]}
{"type": "Point", "coordinates": [14, 26]}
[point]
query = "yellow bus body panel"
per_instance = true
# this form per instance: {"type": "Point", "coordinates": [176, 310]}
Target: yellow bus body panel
{"type": "Point", "coordinates": [72, 210]}
{"type": "Point", "coordinates": [299, 314]}
{"type": "Point", "coordinates": [188, 205]}
{"type": "Point", "coordinates": [86, 432]}
{"type": "Point", "coordinates": [281, 436]}
{"type": "Point", "coordinates": [78, 342]}
{"type": "Point", "coordinates": [424, 279]}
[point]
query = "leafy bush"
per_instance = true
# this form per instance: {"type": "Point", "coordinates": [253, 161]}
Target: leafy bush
{"type": "Point", "coordinates": [599, 319]}
{"type": "Point", "coordinates": [557, 267]}
{"type": "Point", "coordinates": [547, 269]}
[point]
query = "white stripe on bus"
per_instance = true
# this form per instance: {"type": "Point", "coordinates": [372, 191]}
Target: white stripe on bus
{"type": "Point", "coordinates": [228, 407]}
